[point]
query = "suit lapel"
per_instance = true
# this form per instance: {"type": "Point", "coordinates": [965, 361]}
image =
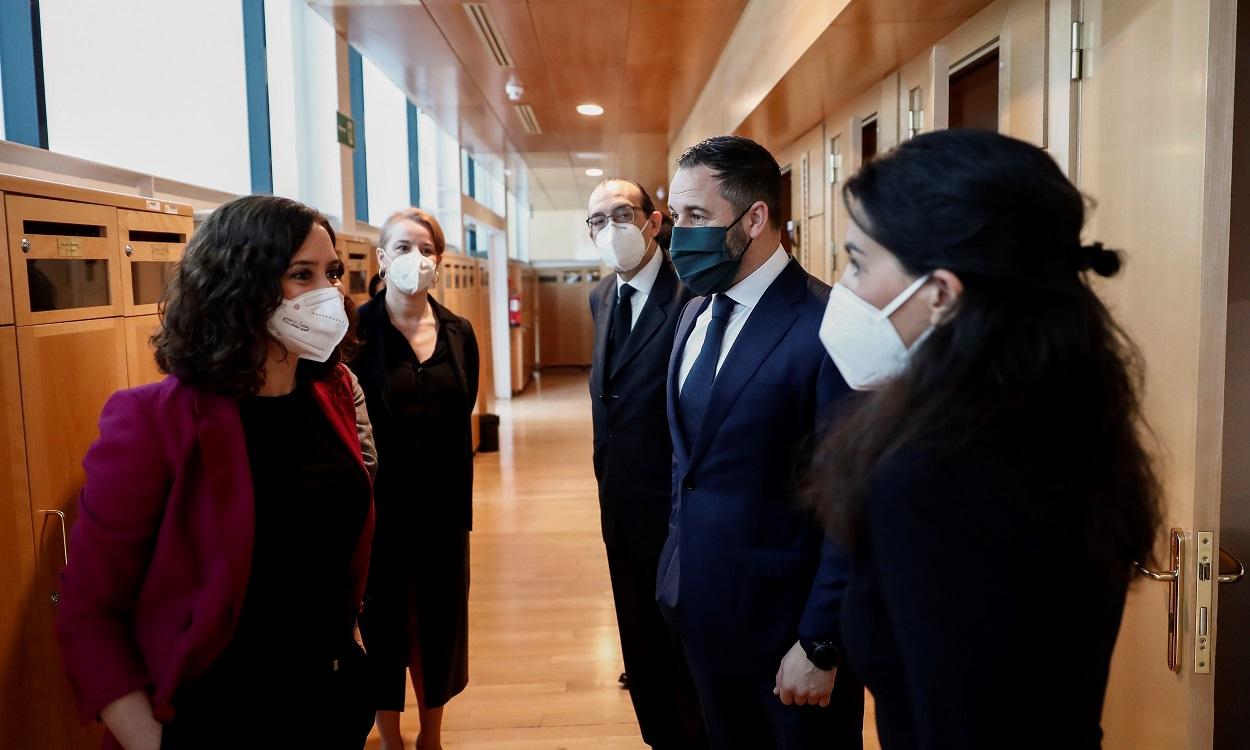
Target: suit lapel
{"type": "Point", "coordinates": [651, 319]}
{"type": "Point", "coordinates": [769, 322]}
{"type": "Point", "coordinates": [603, 318]}
{"type": "Point", "coordinates": [684, 327]}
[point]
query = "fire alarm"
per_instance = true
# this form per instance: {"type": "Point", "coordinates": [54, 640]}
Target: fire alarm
{"type": "Point", "coordinates": [514, 91]}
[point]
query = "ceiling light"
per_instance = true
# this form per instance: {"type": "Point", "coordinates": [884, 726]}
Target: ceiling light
{"type": "Point", "coordinates": [594, 172]}
{"type": "Point", "coordinates": [590, 110]}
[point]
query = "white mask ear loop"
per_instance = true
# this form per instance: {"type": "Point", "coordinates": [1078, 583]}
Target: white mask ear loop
{"type": "Point", "coordinates": [902, 298]}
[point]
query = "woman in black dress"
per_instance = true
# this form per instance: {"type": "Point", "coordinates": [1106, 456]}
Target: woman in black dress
{"type": "Point", "coordinates": [992, 485]}
{"type": "Point", "coordinates": [418, 365]}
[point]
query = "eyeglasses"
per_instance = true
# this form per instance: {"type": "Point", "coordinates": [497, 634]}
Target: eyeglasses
{"type": "Point", "coordinates": [620, 215]}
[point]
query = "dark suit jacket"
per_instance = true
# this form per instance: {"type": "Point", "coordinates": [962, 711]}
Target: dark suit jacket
{"type": "Point", "coordinates": [161, 553]}
{"type": "Point", "coordinates": [633, 452]}
{"type": "Point", "coordinates": [746, 571]}
{"type": "Point", "coordinates": [369, 364]}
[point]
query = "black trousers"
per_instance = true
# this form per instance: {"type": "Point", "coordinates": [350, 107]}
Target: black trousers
{"type": "Point", "coordinates": [743, 714]}
{"type": "Point", "coordinates": [659, 682]}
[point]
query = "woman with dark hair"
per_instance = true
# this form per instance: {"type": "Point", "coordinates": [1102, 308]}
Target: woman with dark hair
{"type": "Point", "coordinates": [991, 484]}
{"type": "Point", "coordinates": [418, 365]}
{"type": "Point", "coordinates": [219, 558]}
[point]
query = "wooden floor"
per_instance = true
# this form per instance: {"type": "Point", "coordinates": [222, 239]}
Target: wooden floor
{"type": "Point", "coordinates": [544, 656]}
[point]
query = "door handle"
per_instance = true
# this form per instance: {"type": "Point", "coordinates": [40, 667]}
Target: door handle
{"type": "Point", "coordinates": [1229, 557]}
{"type": "Point", "coordinates": [1172, 578]}
{"type": "Point", "coordinates": [56, 595]}
{"type": "Point", "coordinates": [64, 540]}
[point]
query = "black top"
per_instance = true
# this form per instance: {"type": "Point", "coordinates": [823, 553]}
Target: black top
{"type": "Point", "coordinates": [311, 502]}
{"type": "Point", "coordinates": [421, 419]}
{"type": "Point", "coordinates": [971, 614]}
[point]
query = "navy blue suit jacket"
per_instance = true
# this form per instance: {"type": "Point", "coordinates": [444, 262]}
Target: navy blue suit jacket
{"type": "Point", "coordinates": [746, 571]}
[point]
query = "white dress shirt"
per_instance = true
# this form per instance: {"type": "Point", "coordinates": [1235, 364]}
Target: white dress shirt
{"type": "Point", "coordinates": [747, 294]}
{"type": "Point", "coordinates": [642, 283]}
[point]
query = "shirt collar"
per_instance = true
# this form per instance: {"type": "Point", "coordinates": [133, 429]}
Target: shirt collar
{"type": "Point", "coordinates": [646, 276]}
{"type": "Point", "coordinates": [749, 291]}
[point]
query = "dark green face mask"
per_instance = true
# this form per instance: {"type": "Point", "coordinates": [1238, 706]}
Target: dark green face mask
{"type": "Point", "coordinates": [701, 258]}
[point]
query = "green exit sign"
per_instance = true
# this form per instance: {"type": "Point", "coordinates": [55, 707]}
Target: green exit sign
{"type": "Point", "coordinates": [347, 131]}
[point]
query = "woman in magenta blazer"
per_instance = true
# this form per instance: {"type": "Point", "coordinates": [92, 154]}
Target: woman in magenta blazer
{"type": "Point", "coordinates": [221, 549]}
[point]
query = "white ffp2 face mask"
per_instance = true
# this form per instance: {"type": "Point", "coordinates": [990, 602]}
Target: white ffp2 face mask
{"type": "Point", "coordinates": [412, 272]}
{"type": "Point", "coordinates": [621, 246]}
{"type": "Point", "coordinates": [862, 341]}
{"type": "Point", "coordinates": [312, 324]}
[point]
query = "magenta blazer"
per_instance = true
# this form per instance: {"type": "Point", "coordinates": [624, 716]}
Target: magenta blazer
{"type": "Point", "coordinates": [160, 556]}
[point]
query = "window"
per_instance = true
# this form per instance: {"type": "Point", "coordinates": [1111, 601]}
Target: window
{"type": "Point", "coordinates": [386, 139]}
{"type": "Point", "coordinates": [301, 51]}
{"type": "Point", "coordinates": [440, 160]}
{"type": "Point", "coordinates": [153, 87]}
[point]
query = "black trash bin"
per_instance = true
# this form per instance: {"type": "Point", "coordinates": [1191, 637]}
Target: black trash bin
{"type": "Point", "coordinates": [489, 431]}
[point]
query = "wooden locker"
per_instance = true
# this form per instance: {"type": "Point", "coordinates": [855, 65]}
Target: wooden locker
{"type": "Point", "coordinates": [22, 708]}
{"type": "Point", "coordinates": [356, 253]}
{"type": "Point", "coordinates": [64, 259]}
{"type": "Point", "coordinates": [6, 285]}
{"type": "Point", "coordinates": [68, 371]}
{"type": "Point", "coordinates": [152, 246]}
{"type": "Point", "coordinates": [141, 366]}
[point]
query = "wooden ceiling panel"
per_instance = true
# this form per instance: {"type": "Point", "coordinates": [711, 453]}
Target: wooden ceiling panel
{"type": "Point", "coordinates": [585, 33]}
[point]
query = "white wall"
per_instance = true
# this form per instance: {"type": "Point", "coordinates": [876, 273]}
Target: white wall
{"type": "Point", "coordinates": [153, 87]}
{"type": "Point", "coordinates": [560, 236]}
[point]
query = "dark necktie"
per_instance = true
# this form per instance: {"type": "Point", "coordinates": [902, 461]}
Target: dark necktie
{"type": "Point", "coordinates": [622, 322]}
{"type": "Point", "coordinates": [697, 390]}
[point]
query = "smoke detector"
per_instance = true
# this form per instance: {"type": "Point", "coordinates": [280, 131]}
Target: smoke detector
{"type": "Point", "coordinates": [514, 91]}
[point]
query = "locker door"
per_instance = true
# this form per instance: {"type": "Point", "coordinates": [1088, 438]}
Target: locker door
{"type": "Point", "coordinates": [141, 366]}
{"type": "Point", "coordinates": [68, 370]}
{"type": "Point", "coordinates": [152, 246]}
{"type": "Point", "coordinates": [6, 285]}
{"type": "Point", "coordinates": [64, 258]}
{"type": "Point", "coordinates": [17, 560]}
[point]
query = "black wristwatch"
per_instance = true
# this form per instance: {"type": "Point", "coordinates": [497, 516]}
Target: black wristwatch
{"type": "Point", "coordinates": [824, 654]}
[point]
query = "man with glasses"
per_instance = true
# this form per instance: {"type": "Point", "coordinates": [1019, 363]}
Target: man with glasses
{"type": "Point", "coordinates": [635, 310]}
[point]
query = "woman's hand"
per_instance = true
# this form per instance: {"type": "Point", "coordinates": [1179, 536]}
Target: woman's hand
{"type": "Point", "coordinates": [131, 721]}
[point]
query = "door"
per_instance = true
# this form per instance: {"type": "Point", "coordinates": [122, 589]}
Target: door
{"type": "Point", "coordinates": [17, 560]}
{"type": "Point", "coordinates": [68, 370]}
{"type": "Point", "coordinates": [152, 246]}
{"type": "Point", "coordinates": [1163, 196]}
{"type": "Point", "coordinates": [6, 286]}
{"type": "Point", "coordinates": [141, 366]}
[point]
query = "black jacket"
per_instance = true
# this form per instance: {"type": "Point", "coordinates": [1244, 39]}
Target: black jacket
{"type": "Point", "coordinates": [369, 364]}
{"type": "Point", "coordinates": [633, 450]}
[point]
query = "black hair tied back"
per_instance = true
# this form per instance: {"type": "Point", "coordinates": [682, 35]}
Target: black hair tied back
{"type": "Point", "coordinates": [1100, 260]}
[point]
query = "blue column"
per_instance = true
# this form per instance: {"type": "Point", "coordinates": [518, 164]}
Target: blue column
{"type": "Point", "coordinates": [414, 160]}
{"type": "Point", "coordinates": [360, 176]}
{"type": "Point", "coordinates": [256, 64]}
{"type": "Point", "coordinates": [21, 56]}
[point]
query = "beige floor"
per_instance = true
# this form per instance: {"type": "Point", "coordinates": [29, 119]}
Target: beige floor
{"type": "Point", "coordinates": [544, 655]}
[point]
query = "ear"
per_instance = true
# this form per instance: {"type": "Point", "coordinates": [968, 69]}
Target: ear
{"type": "Point", "coordinates": [757, 216]}
{"type": "Point", "coordinates": [383, 261]}
{"type": "Point", "coordinates": [656, 219]}
{"type": "Point", "coordinates": [947, 289]}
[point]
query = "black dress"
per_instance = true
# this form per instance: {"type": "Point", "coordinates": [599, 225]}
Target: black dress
{"type": "Point", "coordinates": [417, 603]}
{"type": "Point", "coordinates": [971, 614]}
{"type": "Point", "coordinates": [293, 654]}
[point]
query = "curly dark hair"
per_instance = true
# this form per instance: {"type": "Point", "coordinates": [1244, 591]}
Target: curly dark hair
{"type": "Point", "coordinates": [1031, 358]}
{"type": "Point", "coordinates": [214, 311]}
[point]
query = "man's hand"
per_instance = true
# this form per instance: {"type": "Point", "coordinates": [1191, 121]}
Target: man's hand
{"type": "Point", "coordinates": [801, 683]}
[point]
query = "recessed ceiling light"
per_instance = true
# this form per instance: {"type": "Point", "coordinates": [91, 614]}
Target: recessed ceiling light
{"type": "Point", "coordinates": [594, 172]}
{"type": "Point", "coordinates": [591, 110]}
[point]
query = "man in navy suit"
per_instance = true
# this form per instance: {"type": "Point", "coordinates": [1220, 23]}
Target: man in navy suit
{"type": "Point", "coordinates": [747, 577]}
{"type": "Point", "coordinates": [635, 310]}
